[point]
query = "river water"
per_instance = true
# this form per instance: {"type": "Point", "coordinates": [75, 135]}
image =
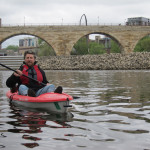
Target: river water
{"type": "Point", "coordinates": [112, 113]}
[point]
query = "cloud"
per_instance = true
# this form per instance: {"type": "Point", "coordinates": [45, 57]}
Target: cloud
{"type": "Point", "coordinates": [70, 11]}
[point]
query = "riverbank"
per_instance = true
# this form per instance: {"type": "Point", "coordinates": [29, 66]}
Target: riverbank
{"type": "Point", "coordinates": [111, 61]}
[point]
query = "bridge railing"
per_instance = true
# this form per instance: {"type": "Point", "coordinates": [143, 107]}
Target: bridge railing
{"type": "Point", "coordinates": [61, 24]}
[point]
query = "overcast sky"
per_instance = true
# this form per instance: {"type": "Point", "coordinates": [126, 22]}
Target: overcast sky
{"type": "Point", "coordinates": [70, 11]}
{"type": "Point", "coordinates": [17, 12]}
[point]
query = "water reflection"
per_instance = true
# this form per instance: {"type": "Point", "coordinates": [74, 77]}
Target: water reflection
{"type": "Point", "coordinates": [30, 122]}
{"type": "Point", "coordinates": [113, 112]}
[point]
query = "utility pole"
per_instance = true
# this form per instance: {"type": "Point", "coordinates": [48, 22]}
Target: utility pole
{"type": "Point", "coordinates": [98, 20]}
{"type": "Point", "coordinates": [24, 21]}
{"type": "Point", "coordinates": [62, 22]}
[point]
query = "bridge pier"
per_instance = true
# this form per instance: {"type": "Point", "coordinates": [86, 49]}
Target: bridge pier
{"type": "Point", "coordinates": [60, 48]}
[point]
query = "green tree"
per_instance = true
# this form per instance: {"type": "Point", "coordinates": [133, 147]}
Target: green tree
{"type": "Point", "coordinates": [12, 47]}
{"type": "Point", "coordinates": [143, 45]}
{"type": "Point", "coordinates": [45, 49]}
{"type": "Point", "coordinates": [115, 48]}
{"type": "Point", "coordinates": [81, 47]}
{"type": "Point", "coordinates": [95, 48]}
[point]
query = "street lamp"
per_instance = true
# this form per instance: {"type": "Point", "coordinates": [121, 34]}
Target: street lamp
{"type": "Point", "coordinates": [24, 20]}
{"type": "Point", "coordinates": [62, 22]}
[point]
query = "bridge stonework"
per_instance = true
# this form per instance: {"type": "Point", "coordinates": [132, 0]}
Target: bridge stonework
{"type": "Point", "coordinates": [63, 38]}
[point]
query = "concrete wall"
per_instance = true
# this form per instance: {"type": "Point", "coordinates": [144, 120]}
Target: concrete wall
{"type": "Point", "coordinates": [97, 62]}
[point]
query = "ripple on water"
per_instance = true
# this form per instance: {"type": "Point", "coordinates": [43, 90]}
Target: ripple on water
{"type": "Point", "coordinates": [111, 113]}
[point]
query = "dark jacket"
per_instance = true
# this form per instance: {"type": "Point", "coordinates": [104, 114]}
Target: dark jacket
{"type": "Point", "coordinates": [14, 81]}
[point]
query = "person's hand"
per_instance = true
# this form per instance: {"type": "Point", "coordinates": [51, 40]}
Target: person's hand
{"type": "Point", "coordinates": [18, 74]}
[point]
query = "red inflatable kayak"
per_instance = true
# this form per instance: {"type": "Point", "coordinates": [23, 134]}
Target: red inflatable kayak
{"type": "Point", "coordinates": [52, 102]}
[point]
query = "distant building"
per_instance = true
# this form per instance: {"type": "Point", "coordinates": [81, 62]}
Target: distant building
{"type": "Point", "coordinates": [138, 21]}
{"type": "Point", "coordinates": [97, 39]}
{"type": "Point", "coordinates": [106, 41]}
{"type": "Point", "coordinates": [28, 44]}
{"type": "Point", "coordinates": [3, 52]}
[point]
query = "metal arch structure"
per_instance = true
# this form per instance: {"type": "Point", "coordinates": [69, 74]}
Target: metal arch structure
{"type": "Point", "coordinates": [87, 36]}
{"type": "Point", "coordinates": [85, 19]}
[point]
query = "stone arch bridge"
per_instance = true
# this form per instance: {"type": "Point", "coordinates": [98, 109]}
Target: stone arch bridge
{"type": "Point", "coordinates": [63, 38]}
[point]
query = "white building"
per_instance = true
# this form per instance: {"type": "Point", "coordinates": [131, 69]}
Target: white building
{"type": "Point", "coordinates": [28, 42]}
{"type": "Point", "coordinates": [138, 21]}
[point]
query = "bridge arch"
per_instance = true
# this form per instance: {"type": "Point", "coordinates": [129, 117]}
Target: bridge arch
{"type": "Point", "coordinates": [12, 35]}
{"type": "Point", "coordinates": [22, 33]}
{"type": "Point", "coordinates": [102, 33]}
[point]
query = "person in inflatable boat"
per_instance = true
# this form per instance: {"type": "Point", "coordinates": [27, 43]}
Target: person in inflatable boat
{"type": "Point", "coordinates": [27, 86]}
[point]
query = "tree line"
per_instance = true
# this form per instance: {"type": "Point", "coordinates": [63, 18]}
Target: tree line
{"type": "Point", "coordinates": [143, 45]}
{"type": "Point", "coordinates": [85, 46]}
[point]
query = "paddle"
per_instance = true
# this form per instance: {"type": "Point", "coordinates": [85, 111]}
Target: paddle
{"type": "Point", "coordinates": [74, 97]}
